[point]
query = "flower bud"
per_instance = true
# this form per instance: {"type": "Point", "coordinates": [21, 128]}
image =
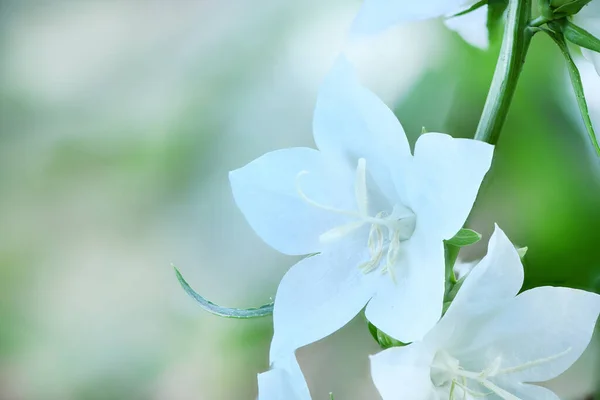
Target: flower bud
{"type": "Point", "coordinates": [565, 8]}
{"type": "Point", "coordinates": [559, 3]}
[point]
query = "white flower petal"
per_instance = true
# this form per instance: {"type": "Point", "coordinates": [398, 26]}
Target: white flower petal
{"type": "Point", "coordinates": [403, 373]}
{"type": "Point", "coordinates": [472, 27]}
{"type": "Point", "coordinates": [266, 191]}
{"type": "Point", "coordinates": [448, 173]}
{"type": "Point", "coordinates": [593, 57]}
{"type": "Point", "coordinates": [497, 278]}
{"type": "Point", "coordinates": [532, 392]}
{"type": "Point", "coordinates": [377, 15]}
{"type": "Point", "coordinates": [318, 296]}
{"type": "Point", "coordinates": [538, 334]}
{"type": "Point", "coordinates": [351, 122]}
{"type": "Point", "coordinates": [283, 381]}
{"type": "Point", "coordinates": [410, 306]}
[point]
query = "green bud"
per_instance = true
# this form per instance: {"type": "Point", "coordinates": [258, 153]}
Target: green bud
{"type": "Point", "coordinates": [565, 8]}
{"type": "Point", "coordinates": [559, 3]}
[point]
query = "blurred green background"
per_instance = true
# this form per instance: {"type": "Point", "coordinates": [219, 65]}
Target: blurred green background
{"type": "Point", "coordinates": [119, 121]}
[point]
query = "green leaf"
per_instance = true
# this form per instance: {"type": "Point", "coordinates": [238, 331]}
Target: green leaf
{"type": "Point", "coordinates": [474, 7]}
{"type": "Point", "coordinates": [522, 251]}
{"type": "Point", "coordinates": [570, 8]}
{"type": "Point", "coordinates": [330, 396]}
{"type": "Point", "coordinates": [577, 86]}
{"type": "Point", "coordinates": [382, 339]}
{"type": "Point", "coordinates": [212, 308]}
{"type": "Point", "coordinates": [464, 237]}
{"type": "Point", "coordinates": [386, 341]}
{"type": "Point", "coordinates": [580, 36]}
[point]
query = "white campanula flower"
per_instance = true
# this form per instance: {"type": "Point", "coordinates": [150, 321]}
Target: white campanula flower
{"type": "Point", "coordinates": [377, 15]}
{"type": "Point", "coordinates": [492, 343]}
{"type": "Point", "coordinates": [371, 215]}
{"type": "Point", "coordinates": [589, 19]}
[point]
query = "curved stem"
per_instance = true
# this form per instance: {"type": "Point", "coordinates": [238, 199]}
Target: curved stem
{"type": "Point", "coordinates": [515, 44]}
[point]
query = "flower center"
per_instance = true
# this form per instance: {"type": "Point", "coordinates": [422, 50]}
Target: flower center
{"type": "Point", "coordinates": [387, 230]}
{"type": "Point", "coordinates": [446, 371]}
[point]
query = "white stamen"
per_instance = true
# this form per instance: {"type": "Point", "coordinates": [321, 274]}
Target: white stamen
{"type": "Point", "coordinates": [445, 362]}
{"type": "Point", "coordinates": [400, 224]}
{"type": "Point", "coordinates": [375, 246]}
{"type": "Point", "coordinates": [534, 363]}
{"type": "Point", "coordinates": [466, 389]}
{"type": "Point", "coordinates": [498, 390]}
{"type": "Point", "coordinates": [318, 205]}
{"type": "Point", "coordinates": [493, 369]}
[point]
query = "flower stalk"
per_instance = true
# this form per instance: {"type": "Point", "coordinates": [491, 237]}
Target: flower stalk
{"type": "Point", "coordinates": [515, 44]}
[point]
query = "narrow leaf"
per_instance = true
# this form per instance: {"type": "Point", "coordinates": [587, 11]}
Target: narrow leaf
{"type": "Point", "coordinates": [474, 7]}
{"type": "Point", "coordinates": [580, 36]}
{"type": "Point", "coordinates": [212, 308]}
{"type": "Point", "coordinates": [464, 237]}
{"type": "Point", "coordinates": [577, 87]}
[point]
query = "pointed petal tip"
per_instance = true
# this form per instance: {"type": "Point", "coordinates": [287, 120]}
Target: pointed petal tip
{"type": "Point", "coordinates": [233, 175]}
{"type": "Point", "coordinates": [497, 228]}
{"type": "Point", "coordinates": [499, 237]}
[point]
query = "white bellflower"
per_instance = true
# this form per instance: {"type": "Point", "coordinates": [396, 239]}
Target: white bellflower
{"type": "Point", "coordinates": [492, 343]}
{"type": "Point", "coordinates": [374, 215]}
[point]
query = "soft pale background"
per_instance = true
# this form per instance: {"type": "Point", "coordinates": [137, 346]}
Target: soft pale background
{"type": "Point", "coordinates": [119, 121]}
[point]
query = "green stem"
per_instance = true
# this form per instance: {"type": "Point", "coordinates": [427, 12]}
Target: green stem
{"type": "Point", "coordinates": [539, 21]}
{"type": "Point", "coordinates": [515, 45]}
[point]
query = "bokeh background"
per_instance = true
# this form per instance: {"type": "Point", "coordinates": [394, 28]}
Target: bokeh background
{"type": "Point", "coordinates": [119, 121]}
